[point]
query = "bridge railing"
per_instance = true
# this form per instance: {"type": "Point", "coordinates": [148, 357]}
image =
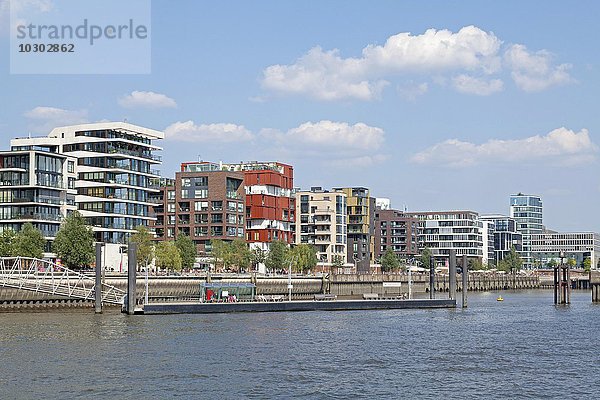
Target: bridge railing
{"type": "Point", "coordinates": [47, 277]}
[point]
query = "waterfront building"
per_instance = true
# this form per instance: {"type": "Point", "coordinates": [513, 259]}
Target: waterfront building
{"type": "Point", "coordinates": [321, 222]}
{"type": "Point", "coordinates": [487, 236]}
{"type": "Point", "coordinates": [527, 210]}
{"type": "Point", "coordinates": [204, 201]}
{"type": "Point", "coordinates": [505, 236]}
{"type": "Point", "coordinates": [114, 169]}
{"type": "Point", "coordinates": [573, 245]}
{"type": "Point", "coordinates": [36, 186]}
{"type": "Point", "coordinates": [442, 231]}
{"type": "Point", "coordinates": [396, 231]}
{"type": "Point", "coordinates": [383, 203]}
{"type": "Point", "coordinates": [360, 227]}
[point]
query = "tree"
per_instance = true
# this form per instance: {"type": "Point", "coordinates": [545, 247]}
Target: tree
{"type": "Point", "coordinates": [513, 261]}
{"type": "Point", "coordinates": [29, 242]}
{"type": "Point", "coordinates": [552, 263]}
{"type": "Point", "coordinates": [475, 264]}
{"type": "Point", "coordinates": [305, 257]}
{"type": "Point", "coordinates": [258, 257]}
{"type": "Point", "coordinates": [220, 252]}
{"type": "Point", "coordinates": [145, 247]}
{"type": "Point", "coordinates": [74, 242]}
{"type": "Point", "coordinates": [277, 255]}
{"type": "Point", "coordinates": [7, 239]}
{"type": "Point", "coordinates": [240, 254]}
{"type": "Point", "coordinates": [587, 264]}
{"type": "Point", "coordinates": [337, 263]}
{"type": "Point", "coordinates": [425, 258]}
{"type": "Point", "coordinates": [389, 261]}
{"type": "Point", "coordinates": [167, 256]}
{"type": "Point", "coordinates": [187, 250]}
{"type": "Point", "coordinates": [571, 262]}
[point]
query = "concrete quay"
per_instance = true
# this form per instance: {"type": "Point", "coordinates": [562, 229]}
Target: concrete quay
{"type": "Point", "coordinates": [289, 306]}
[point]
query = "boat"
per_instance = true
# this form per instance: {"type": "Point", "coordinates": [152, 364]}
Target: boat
{"type": "Point", "coordinates": [499, 298]}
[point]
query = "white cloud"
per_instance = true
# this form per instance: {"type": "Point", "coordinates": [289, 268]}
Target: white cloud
{"type": "Point", "coordinates": [333, 143]}
{"type": "Point", "coordinates": [44, 119]}
{"type": "Point", "coordinates": [560, 146]}
{"type": "Point", "coordinates": [468, 84]}
{"type": "Point", "coordinates": [20, 9]}
{"type": "Point", "coordinates": [214, 133]}
{"type": "Point", "coordinates": [534, 72]}
{"type": "Point", "coordinates": [410, 91]}
{"type": "Point", "coordinates": [472, 52]}
{"type": "Point", "coordinates": [138, 99]}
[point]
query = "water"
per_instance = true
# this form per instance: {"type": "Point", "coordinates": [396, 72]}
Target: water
{"type": "Point", "coordinates": [523, 347]}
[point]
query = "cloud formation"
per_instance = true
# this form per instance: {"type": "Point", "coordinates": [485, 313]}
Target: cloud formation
{"type": "Point", "coordinates": [560, 146]}
{"type": "Point", "coordinates": [472, 53]}
{"type": "Point", "coordinates": [215, 133]}
{"type": "Point", "coordinates": [137, 99]}
{"type": "Point", "coordinates": [44, 119]}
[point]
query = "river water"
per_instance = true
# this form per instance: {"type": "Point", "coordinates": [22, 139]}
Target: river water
{"type": "Point", "coordinates": [523, 347]}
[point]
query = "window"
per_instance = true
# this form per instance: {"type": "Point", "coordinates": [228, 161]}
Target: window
{"type": "Point", "coordinates": [216, 218]}
{"type": "Point", "coordinates": [231, 219]}
{"type": "Point", "coordinates": [171, 207]}
{"type": "Point", "coordinates": [170, 195]}
{"type": "Point", "coordinates": [201, 218]}
{"type": "Point", "coordinates": [240, 207]}
{"type": "Point", "coordinates": [171, 219]}
{"type": "Point", "coordinates": [70, 166]}
{"type": "Point", "coordinates": [201, 206]}
{"type": "Point", "coordinates": [217, 206]}
{"type": "Point", "coordinates": [231, 206]}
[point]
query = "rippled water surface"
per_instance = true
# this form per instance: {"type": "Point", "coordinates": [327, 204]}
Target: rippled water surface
{"type": "Point", "coordinates": [523, 347]}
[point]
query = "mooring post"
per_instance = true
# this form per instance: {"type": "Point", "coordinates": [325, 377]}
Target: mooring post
{"type": "Point", "coordinates": [98, 286]}
{"type": "Point", "coordinates": [431, 277]}
{"type": "Point", "coordinates": [452, 275]}
{"type": "Point", "coordinates": [556, 289]}
{"type": "Point", "coordinates": [465, 280]}
{"type": "Point", "coordinates": [131, 270]}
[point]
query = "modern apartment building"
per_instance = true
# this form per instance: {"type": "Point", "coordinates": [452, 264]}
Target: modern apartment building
{"type": "Point", "coordinates": [114, 169]}
{"type": "Point", "coordinates": [396, 231]}
{"type": "Point", "coordinates": [321, 222]}
{"type": "Point", "coordinates": [527, 210]}
{"type": "Point", "coordinates": [574, 245]}
{"type": "Point", "coordinates": [36, 186]}
{"type": "Point", "coordinates": [361, 227]}
{"type": "Point", "coordinates": [505, 236]}
{"type": "Point", "coordinates": [270, 203]}
{"type": "Point", "coordinates": [487, 236]}
{"type": "Point", "coordinates": [442, 231]}
{"type": "Point", "coordinates": [205, 202]}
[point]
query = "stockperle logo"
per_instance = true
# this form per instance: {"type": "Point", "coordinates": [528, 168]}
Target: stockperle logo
{"type": "Point", "coordinates": [80, 37]}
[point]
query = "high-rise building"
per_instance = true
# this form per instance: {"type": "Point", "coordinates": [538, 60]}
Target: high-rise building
{"type": "Point", "coordinates": [396, 231]}
{"type": "Point", "coordinates": [571, 245]}
{"type": "Point", "coordinates": [527, 212]}
{"type": "Point", "coordinates": [114, 169]}
{"type": "Point", "coordinates": [321, 222]}
{"type": "Point", "coordinates": [36, 186]}
{"type": "Point", "coordinates": [205, 202]}
{"type": "Point", "coordinates": [442, 231]}
{"type": "Point", "coordinates": [505, 236]}
{"type": "Point", "coordinates": [361, 227]}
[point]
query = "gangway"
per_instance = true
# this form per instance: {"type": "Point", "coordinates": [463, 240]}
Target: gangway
{"type": "Point", "coordinates": [47, 277]}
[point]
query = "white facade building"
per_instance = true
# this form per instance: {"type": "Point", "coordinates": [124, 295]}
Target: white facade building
{"type": "Point", "coordinates": [573, 245]}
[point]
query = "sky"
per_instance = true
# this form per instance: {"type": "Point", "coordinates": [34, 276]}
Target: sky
{"type": "Point", "coordinates": [436, 105]}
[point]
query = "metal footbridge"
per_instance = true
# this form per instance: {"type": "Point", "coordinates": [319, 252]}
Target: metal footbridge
{"type": "Point", "coordinates": [47, 277]}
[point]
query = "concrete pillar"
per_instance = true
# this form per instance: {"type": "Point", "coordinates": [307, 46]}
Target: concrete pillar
{"type": "Point", "coordinates": [431, 277]}
{"type": "Point", "coordinates": [131, 270]}
{"type": "Point", "coordinates": [98, 285]}
{"type": "Point", "coordinates": [465, 280]}
{"type": "Point", "coordinates": [452, 275]}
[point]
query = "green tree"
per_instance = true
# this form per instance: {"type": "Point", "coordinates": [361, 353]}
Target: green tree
{"type": "Point", "coordinates": [29, 242]}
{"type": "Point", "coordinates": [240, 255]}
{"type": "Point", "coordinates": [145, 247]}
{"type": "Point", "coordinates": [221, 252]}
{"type": "Point", "coordinates": [7, 239]}
{"type": "Point", "coordinates": [552, 263]}
{"type": "Point", "coordinates": [168, 256]}
{"type": "Point", "coordinates": [259, 256]}
{"type": "Point", "coordinates": [425, 258]}
{"type": "Point", "coordinates": [74, 243]}
{"type": "Point", "coordinates": [475, 264]}
{"type": "Point", "coordinates": [512, 261]}
{"type": "Point", "coordinates": [187, 250]}
{"type": "Point", "coordinates": [389, 261]}
{"type": "Point", "coordinates": [277, 257]}
{"type": "Point", "coordinates": [571, 262]}
{"type": "Point", "coordinates": [304, 256]}
{"type": "Point", "coordinates": [587, 264]}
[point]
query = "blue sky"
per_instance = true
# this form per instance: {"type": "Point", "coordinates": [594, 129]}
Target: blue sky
{"type": "Point", "coordinates": [435, 104]}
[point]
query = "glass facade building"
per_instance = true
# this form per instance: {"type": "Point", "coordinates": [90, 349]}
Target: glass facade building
{"type": "Point", "coordinates": [527, 210]}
